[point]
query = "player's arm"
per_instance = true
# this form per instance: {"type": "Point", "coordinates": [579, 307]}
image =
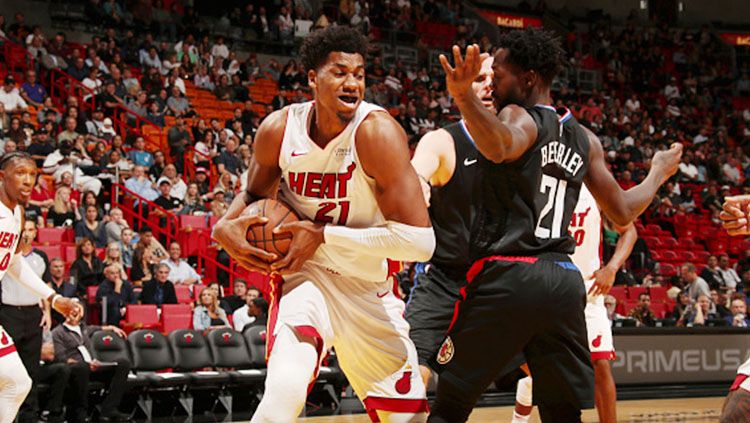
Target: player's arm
{"type": "Point", "coordinates": [430, 160]}
{"type": "Point", "coordinates": [620, 206]}
{"type": "Point", "coordinates": [735, 215]}
{"type": "Point", "coordinates": [500, 138]}
{"type": "Point", "coordinates": [605, 277]}
{"type": "Point", "coordinates": [263, 179]}
{"type": "Point", "coordinates": [407, 234]}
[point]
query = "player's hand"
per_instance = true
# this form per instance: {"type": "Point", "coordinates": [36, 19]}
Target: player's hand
{"type": "Point", "coordinates": [458, 78]}
{"type": "Point", "coordinates": [667, 162]}
{"type": "Point", "coordinates": [735, 215]}
{"type": "Point", "coordinates": [231, 234]}
{"type": "Point", "coordinates": [604, 279]}
{"type": "Point", "coordinates": [65, 306]}
{"type": "Point", "coordinates": [306, 238]}
{"type": "Point", "coordinates": [46, 323]}
{"type": "Point", "coordinates": [121, 333]}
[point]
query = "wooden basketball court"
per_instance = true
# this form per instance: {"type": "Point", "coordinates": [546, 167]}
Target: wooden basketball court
{"type": "Point", "coordinates": [661, 410]}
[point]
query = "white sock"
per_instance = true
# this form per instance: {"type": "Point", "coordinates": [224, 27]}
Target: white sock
{"type": "Point", "coordinates": [15, 384]}
{"type": "Point", "coordinates": [290, 370]}
{"type": "Point", "coordinates": [524, 392]}
{"type": "Point", "coordinates": [518, 418]}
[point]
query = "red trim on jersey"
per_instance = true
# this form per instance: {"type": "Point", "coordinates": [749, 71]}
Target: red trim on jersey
{"type": "Point", "coordinates": [393, 268]}
{"type": "Point", "coordinates": [474, 271]}
{"type": "Point", "coordinates": [603, 355]}
{"type": "Point", "coordinates": [311, 332]}
{"type": "Point", "coordinates": [738, 381]}
{"type": "Point", "coordinates": [395, 405]}
{"type": "Point", "coordinates": [275, 292]}
{"type": "Point", "coordinates": [7, 350]}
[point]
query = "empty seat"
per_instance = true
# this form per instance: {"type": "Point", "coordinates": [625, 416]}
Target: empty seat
{"type": "Point", "coordinates": [255, 337]}
{"type": "Point", "coordinates": [619, 292]}
{"type": "Point", "coordinates": [658, 294]}
{"type": "Point", "coordinates": [50, 236]}
{"type": "Point", "coordinates": [668, 270]}
{"type": "Point", "coordinates": [150, 351]}
{"type": "Point", "coordinates": [229, 350]}
{"type": "Point", "coordinates": [141, 316]}
{"type": "Point", "coordinates": [52, 251]}
{"type": "Point", "coordinates": [191, 353]}
{"type": "Point", "coordinates": [183, 294]}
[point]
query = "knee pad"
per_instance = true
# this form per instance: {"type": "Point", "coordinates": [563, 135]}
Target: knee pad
{"type": "Point", "coordinates": [524, 391]}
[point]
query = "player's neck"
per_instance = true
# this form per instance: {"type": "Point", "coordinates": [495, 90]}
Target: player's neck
{"type": "Point", "coordinates": [325, 126]}
{"type": "Point", "coordinates": [6, 200]}
{"type": "Point", "coordinates": [539, 95]}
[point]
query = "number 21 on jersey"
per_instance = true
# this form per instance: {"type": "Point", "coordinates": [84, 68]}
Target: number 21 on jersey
{"type": "Point", "coordinates": [327, 211]}
{"type": "Point", "coordinates": [555, 190]}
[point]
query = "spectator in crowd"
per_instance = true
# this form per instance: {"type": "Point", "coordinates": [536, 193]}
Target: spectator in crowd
{"type": "Point", "coordinates": [70, 158]}
{"type": "Point", "coordinates": [144, 263]}
{"type": "Point", "coordinates": [242, 316]}
{"type": "Point", "coordinates": [228, 160]}
{"type": "Point", "coordinates": [642, 313]}
{"type": "Point", "coordinates": [179, 270]}
{"type": "Point", "coordinates": [694, 284]}
{"type": "Point", "coordinates": [160, 289]}
{"type": "Point", "coordinates": [115, 294]}
{"type": "Point", "coordinates": [91, 228]}
{"type": "Point", "coordinates": [178, 104]}
{"type": "Point", "coordinates": [738, 318]}
{"type": "Point", "coordinates": [179, 188]}
{"type": "Point", "coordinates": [155, 115]}
{"type": "Point", "coordinates": [147, 240]}
{"type": "Point", "coordinates": [87, 268]}
{"type": "Point", "coordinates": [166, 201]}
{"type": "Point", "coordinates": [178, 138]}
{"type": "Point", "coordinates": [116, 225]}
{"type": "Point", "coordinates": [113, 255]}
{"type": "Point", "coordinates": [718, 307]}
{"type": "Point", "coordinates": [127, 247]}
{"type": "Point", "coordinates": [257, 309]}
{"type": "Point", "coordinates": [62, 213]}
{"type": "Point", "coordinates": [711, 273]}
{"type": "Point", "coordinates": [55, 376]}
{"type": "Point", "coordinates": [72, 346]}
{"type": "Point", "coordinates": [193, 203]}
{"type": "Point", "coordinates": [208, 314]}
{"type": "Point", "coordinates": [237, 299]}
{"type": "Point", "coordinates": [139, 156]}
{"type": "Point", "coordinates": [141, 185]}
{"type": "Point", "coordinates": [57, 281]}
{"type": "Point", "coordinates": [32, 91]}
{"type": "Point", "coordinates": [11, 98]}
{"type": "Point", "coordinates": [699, 314]}
{"type": "Point", "coordinates": [729, 277]}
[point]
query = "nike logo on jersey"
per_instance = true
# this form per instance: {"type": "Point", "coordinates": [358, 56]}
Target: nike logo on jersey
{"type": "Point", "coordinates": [468, 162]}
{"type": "Point", "coordinates": [383, 294]}
{"type": "Point", "coordinates": [296, 154]}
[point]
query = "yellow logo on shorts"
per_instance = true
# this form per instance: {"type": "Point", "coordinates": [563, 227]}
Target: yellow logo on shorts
{"type": "Point", "coordinates": [446, 351]}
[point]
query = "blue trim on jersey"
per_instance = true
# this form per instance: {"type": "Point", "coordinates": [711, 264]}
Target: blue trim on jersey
{"type": "Point", "coordinates": [419, 268]}
{"type": "Point", "coordinates": [466, 132]}
{"type": "Point", "coordinates": [546, 106]}
{"type": "Point", "coordinates": [567, 265]}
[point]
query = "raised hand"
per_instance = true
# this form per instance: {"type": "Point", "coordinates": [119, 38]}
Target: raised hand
{"type": "Point", "coordinates": [667, 162]}
{"type": "Point", "coordinates": [735, 216]}
{"type": "Point", "coordinates": [458, 78]}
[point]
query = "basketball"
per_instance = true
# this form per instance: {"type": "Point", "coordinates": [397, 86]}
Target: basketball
{"type": "Point", "coordinates": [262, 236]}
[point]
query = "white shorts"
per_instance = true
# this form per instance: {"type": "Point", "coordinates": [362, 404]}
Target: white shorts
{"type": "Point", "coordinates": [743, 377]}
{"type": "Point", "coordinates": [599, 327]}
{"type": "Point", "coordinates": [6, 343]}
{"type": "Point", "coordinates": [364, 322]}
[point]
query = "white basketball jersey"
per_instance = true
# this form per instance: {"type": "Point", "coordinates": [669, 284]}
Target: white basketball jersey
{"type": "Point", "coordinates": [10, 234]}
{"type": "Point", "coordinates": [328, 185]}
{"type": "Point", "coordinates": [586, 228]}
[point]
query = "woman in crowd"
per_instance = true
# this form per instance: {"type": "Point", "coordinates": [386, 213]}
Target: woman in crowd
{"type": "Point", "coordinates": [143, 266]}
{"type": "Point", "coordinates": [208, 314]}
{"type": "Point", "coordinates": [193, 203]}
{"type": "Point", "coordinates": [114, 256]}
{"type": "Point", "coordinates": [63, 211]}
{"type": "Point", "coordinates": [87, 268]}
{"type": "Point", "coordinates": [91, 228]}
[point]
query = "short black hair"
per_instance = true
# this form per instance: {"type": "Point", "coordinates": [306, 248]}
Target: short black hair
{"type": "Point", "coordinates": [534, 49]}
{"type": "Point", "coordinates": [316, 47]}
{"type": "Point", "coordinates": [14, 156]}
{"type": "Point", "coordinates": [261, 303]}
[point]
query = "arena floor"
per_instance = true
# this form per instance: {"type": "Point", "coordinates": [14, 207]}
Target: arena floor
{"type": "Point", "coordinates": [665, 410]}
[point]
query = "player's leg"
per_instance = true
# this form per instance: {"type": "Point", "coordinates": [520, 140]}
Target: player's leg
{"type": "Point", "coordinates": [558, 355]}
{"type": "Point", "coordinates": [429, 313]}
{"type": "Point", "coordinates": [602, 350]}
{"type": "Point", "coordinates": [291, 367]}
{"type": "Point", "coordinates": [524, 401]}
{"type": "Point", "coordinates": [501, 306]}
{"type": "Point", "coordinates": [15, 384]}
{"type": "Point", "coordinates": [296, 320]}
{"type": "Point", "coordinates": [605, 392]}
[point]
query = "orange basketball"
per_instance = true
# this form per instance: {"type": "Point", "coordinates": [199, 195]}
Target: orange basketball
{"type": "Point", "coordinates": [262, 236]}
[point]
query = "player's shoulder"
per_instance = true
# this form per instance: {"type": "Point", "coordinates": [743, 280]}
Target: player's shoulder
{"type": "Point", "coordinates": [379, 126]}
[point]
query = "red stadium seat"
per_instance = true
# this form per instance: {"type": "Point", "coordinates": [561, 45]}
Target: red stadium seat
{"type": "Point", "coordinates": [619, 292]}
{"type": "Point", "coordinates": [49, 236]}
{"type": "Point", "coordinates": [702, 256]}
{"type": "Point", "coordinates": [635, 291]}
{"type": "Point", "coordinates": [629, 305]}
{"type": "Point", "coordinates": [669, 242]}
{"type": "Point", "coordinates": [176, 309]}
{"type": "Point", "coordinates": [668, 270]}
{"type": "Point", "coordinates": [183, 294]}
{"type": "Point", "coordinates": [197, 289]}
{"type": "Point", "coordinates": [669, 255]}
{"type": "Point", "coordinates": [70, 253]}
{"type": "Point", "coordinates": [52, 251]}
{"type": "Point", "coordinates": [171, 322]}
{"type": "Point", "coordinates": [141, 316]}
{"type": "Point", "coordinates": [685, 256]}
{"type": "Point", "coordinates": [658, 294]}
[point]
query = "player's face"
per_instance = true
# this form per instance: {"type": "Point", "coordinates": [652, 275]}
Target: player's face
{"type": "Point", "coordinates": [507, 82]}
{"type": "Point", "coordinates": [18, 178]}
{"type": "Point", "coordinates": [482, 85]}
{"type": "Point", "coordinates": [339, 84]}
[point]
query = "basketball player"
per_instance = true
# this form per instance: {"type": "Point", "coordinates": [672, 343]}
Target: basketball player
{"type": "Point", "coordinates": [343, 166]}
{"type": "Point", "coordinates": [17, 176]}
{"type": "Point", "coordinates": [446, 163]}
{"type": "Point", "coordinates": [585, 227]}
{"type": "Point", "coordinates": [735, 217]}
{"type": "Point", "coordinates": [523, 292]}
